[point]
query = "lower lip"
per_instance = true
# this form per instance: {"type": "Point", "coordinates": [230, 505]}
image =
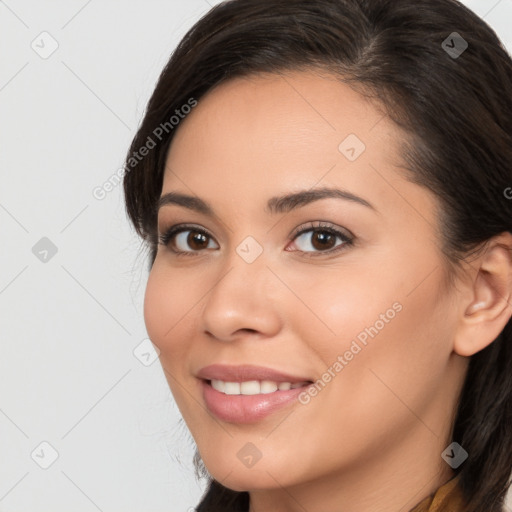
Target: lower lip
{"type": "Point", "coordinates": [246, 408]}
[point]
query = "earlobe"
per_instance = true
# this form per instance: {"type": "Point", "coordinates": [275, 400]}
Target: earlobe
{"type": "Point", "coordinates": [490, 306]}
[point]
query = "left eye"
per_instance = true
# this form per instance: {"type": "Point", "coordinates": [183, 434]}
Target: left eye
{"type": "Point", "coordinates": [321, 239]}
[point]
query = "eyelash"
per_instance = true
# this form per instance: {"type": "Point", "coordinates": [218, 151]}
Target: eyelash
{"type": "Point", "coordinates": [168, 235]}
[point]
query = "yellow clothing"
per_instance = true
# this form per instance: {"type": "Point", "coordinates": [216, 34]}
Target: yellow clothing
{"type": "Point", "coordinates": [448, 498]}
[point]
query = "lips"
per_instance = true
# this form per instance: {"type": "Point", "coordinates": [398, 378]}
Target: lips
{"type": "Point", "coordinates": [227, 404]}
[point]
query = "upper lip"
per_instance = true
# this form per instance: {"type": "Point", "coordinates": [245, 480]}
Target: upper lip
{"type": "Point", "coordinates": [244, 373]}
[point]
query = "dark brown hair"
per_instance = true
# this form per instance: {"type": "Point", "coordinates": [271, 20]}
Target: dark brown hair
{"type": "Point", "coordinates": [456, 111]}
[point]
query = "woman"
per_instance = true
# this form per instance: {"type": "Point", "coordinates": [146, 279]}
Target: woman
{"type": "Point", "coordinates": [324, 188]}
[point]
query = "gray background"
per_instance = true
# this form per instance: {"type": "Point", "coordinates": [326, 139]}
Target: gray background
{"type": "Point", "coordinates": [75, 369]}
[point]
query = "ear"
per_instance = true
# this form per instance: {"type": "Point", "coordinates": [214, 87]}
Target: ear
{"type": "Point", "coordinates": [487, 306]}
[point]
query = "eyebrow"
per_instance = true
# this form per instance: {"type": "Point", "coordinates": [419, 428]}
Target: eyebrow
{"type": "Point", "coordinates": [275, 205]}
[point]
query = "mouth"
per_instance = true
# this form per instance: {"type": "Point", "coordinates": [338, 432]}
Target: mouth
{"type": "Point", "coordinates": [248, 394]}
{"type": "Point", "coordinates": [254, 387]}
{"type": "Point", "coordinates": [229, 376]}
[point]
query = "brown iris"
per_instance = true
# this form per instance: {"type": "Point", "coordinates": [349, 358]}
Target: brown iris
{"type": "Point", "coordinates": [197, 240]}
{"type": "Point", "coordinates": [323, 238]}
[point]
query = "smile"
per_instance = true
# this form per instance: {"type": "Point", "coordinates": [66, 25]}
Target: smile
{"type": "Point", "coordinates": [253, 387]}
{"type": "Point", "coordinates": [248, 393]}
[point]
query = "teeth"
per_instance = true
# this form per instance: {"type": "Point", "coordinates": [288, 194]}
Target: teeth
{"type": "Point", "coordinates": [232, 388]}
{"type": "Point", "coordinates": [218, 385]}
{"type": "Point", "coordinates": [268, 386]}
{"type": "Point", "coordinates": [253, 387]}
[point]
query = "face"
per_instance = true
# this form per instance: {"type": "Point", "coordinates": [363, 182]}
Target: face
{"type": "Point", "coordinates": [338, 301]}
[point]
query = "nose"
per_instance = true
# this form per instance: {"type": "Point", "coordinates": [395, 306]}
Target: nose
{"type": "Point", "coordinates": [243, 300]}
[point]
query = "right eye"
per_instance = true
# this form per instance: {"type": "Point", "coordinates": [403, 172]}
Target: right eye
{"type": "Point", "coordinates": [180, 236]}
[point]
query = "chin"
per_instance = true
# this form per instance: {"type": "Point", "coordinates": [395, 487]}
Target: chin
{"type": "Point", "coordinates": [246, 480]}
{"type": "Point", "coordinates": [237, 477]}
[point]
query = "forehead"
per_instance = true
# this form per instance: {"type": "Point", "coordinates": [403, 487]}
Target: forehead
{"type": "Point", "coordinates": [259, 136]}
{"type": "Point", "coordinates": [296, 111]}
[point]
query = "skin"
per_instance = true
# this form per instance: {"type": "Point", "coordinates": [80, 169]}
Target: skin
{"type": "Point", "coordinates": [372, 438]}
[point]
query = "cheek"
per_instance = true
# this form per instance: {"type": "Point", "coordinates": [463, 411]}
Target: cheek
{"type": "Point", "coordinates": [168, 305]}
{"type": "Point", "coordinates": [396, 350]}
{"type": "Point", "coordinates": [334, 306]}
{"type": "Point", "coordinates": [154, 298]}
{"type": "Point", "coordinates": [392, 334]}
{"type": "Point", "coordinates": [391, 302]}
{"type": "Point", "coordinates": [167, 302]}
